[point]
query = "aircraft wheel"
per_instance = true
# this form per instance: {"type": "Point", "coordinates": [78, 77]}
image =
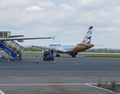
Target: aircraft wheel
{"type": "Point", "coordinates": [74, 55]}
{"type": "Point", "coordinates": [57, 55]}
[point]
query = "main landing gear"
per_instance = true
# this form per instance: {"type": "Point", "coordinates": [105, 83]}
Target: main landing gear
{"type": "Point", "coordinates": [73, 55]}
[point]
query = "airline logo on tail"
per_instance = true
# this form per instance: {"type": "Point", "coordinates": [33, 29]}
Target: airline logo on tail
{"type": "Point", "coordinates": [87, 38]}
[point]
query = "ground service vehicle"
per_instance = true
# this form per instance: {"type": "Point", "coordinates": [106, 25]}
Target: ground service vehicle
{"type": "Point", "coordinates": [48, 55]}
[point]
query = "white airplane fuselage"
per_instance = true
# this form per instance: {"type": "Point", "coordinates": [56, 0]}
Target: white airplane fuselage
{"type": "Point", "coordinates": [71, 49]}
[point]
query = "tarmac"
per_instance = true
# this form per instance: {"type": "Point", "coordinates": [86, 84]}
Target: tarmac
{"type": "Point", "coordinates": [64, 75]}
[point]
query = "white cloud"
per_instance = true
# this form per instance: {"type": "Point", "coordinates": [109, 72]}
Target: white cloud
{"type": "Point", "coordinates": [67, 7]}
{"type": "Point", "coordinates": [49, 17]}
{"type": "Point", "coordinates": [46, 4]}
{"type": "Point", "coordinates": [13, 3]}
{"type": "Point", "coordinates": [34, 8]}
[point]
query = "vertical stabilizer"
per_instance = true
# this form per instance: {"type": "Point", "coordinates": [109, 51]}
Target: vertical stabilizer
{"type": "Point", "coordinates": [87, 38]}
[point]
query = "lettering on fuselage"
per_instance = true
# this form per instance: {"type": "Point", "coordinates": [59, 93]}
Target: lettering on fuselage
{"type": "Point", "coordinates": [55, 45]}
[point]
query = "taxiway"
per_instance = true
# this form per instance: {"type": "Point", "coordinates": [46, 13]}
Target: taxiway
{"type": "Point", "coordinates": [65, 75]}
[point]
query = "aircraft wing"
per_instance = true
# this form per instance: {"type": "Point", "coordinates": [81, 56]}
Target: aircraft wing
{"type": "Point", "coordinates": [55, 49]}
{"type": "Point", "coordinates": [8, 39]}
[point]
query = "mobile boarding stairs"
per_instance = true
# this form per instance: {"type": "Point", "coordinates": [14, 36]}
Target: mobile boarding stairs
{"type": "Point", "coordinates": [12, 48]}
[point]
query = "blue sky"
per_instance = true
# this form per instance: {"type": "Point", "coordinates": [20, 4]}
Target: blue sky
{"type": "Point", "coordinates": [68, 20]}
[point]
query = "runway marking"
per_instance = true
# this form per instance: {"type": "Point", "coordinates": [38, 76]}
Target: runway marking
{"type": "Point", "coordinates": [43, 84]}
{"type": "Point", "coordinates": [16, 66]}
{"type": "Point", "coordinates": [1, 92]}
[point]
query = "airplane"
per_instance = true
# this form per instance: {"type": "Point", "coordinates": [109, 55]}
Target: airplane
{"type": "Point", "coordinates": [71, 49]}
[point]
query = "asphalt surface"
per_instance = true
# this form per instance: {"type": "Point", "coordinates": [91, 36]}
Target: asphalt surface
{"type": "Point", "coordinates": [62, 66]}
{"type": "Point", "coordinates": [64, 75]}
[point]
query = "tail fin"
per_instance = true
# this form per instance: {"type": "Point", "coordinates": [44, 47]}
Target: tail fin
{"type": "Point", "coordinates": [87, 38]}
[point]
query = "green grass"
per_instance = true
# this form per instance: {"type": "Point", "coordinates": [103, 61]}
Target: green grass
{"type": "Point", "coordinates": [32, 52]}
{"type": "Point", "coordinates": [86, 54]}
{"type": "Point", "coordinates": [110, 86]}
{"type": "Point", "coordinates": [93, 54]}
